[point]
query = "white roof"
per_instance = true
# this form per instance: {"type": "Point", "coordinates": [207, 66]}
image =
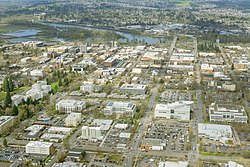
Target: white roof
{"type": "Point", "coordinates": [173, 164]}
{"type": "Point", "coordinates": [215, 130]}
{"type": "Point", "coordinates": [39, 144]}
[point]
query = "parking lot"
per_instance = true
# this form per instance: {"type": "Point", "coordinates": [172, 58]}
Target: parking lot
{"type": "Point", "coordinates": [175, 135]}
{"type": "Point", "coordinates": [174, 96]}
{"type": "Point", "coordinates": [10, 155]}
{"type": "Point", "coordinates": [119, 138]}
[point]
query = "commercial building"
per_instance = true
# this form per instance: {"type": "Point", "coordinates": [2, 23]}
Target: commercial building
{"type": "Point", "coordinates": [177, 110]}
{"type": "Point", "coordinates": [241, 65]}
{"type": "Point", "coordinates": [6, 122]}
{"type": "Point", "coordinates": [60, 130]}
{"type": "Point", "coordinates": [73, 119]}
{"type": "Point", "coordinates": [214, 131]}
{"type": "Point", "coordinates": [69, 164]}
{"type": "Point", "coordinates": [92, 133]}
{"type": "Point", "coordinates": [173, 164]}
{"type": "Point", "coordinates": [37, 147]}
{"type": "Point", "coordinates": [79, 67]}
{"type": "Point", "coordinates": [69, 106]}
{"type": "Point", "coordinates": [227, 113]}
{"type": "Point", "coordinates": [36, 73]}
{"type": "Point", "coordinates": [133, 89]}
{"type": "Point", "coordinates": [152, 144]}
{"type": "Point", "coordinates": [122, 108]}
{"type": "Point", "coordinates": [109, 62]}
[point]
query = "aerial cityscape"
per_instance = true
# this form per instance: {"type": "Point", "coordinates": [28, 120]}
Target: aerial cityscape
{"type": "Point", "coordinates": [124, 83]}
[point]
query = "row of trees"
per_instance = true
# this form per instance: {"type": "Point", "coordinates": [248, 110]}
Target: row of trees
{"type": "Point", "coordinates": [208, 47]}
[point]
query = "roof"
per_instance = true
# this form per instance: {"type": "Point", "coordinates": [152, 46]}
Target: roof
{"type": "Point", "coordinates": [215, 130]}
{"type": "Point", "coordinates": [173, 164]}
{"type": "Point", "coordinates": [5, 119]}
{"type": "Point", "coordinates": [39, 144]}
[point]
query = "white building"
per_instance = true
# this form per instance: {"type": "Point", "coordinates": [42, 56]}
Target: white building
{"type": "Point", "coordinates": [16, 99]}
{"type": "Point", "coordinates": [73, 119]}
{"type": "Point", "coordinates": [177, 110]}
{"type": "Point", "coordinates": [214, 131]}
{"type": "Point", "coordinates": [92, 133]}
{"type": "Point", "coordinates": [227, 113]}
{"type": "Point", "coordinates": [173, 164]}
{"type": "Point", "coordinates": [36, 73]}
{"type": "Point", "coordinates": [38, 91]}
{"type": "Point", "coordinates": [133, 89]}
{"type": "Point", "coordinates": [37, 147]}
{"type": "Point", "coordinates": [122, 108]}
{"type": "Point", "coordinates": [69, 164]}
{"type": "Point", "coordinates": [70, 105]}
{"type": "Point", "coordinates": [60, 130]}
{"type": "Point", "coordinates": [89, 87]}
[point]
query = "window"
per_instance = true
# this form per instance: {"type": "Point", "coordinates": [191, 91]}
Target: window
{"type": "Point", "coordinates": [172, 111]}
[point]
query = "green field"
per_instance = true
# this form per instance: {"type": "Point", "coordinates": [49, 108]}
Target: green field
{"type": "Point", "coordinates": [182, 3]}
{"type": "Point", "coordinates": [6, 28]}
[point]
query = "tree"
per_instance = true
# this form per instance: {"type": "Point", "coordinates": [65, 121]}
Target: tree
{"type": "Point", "coordinates": [6, 85]}
{"type": "Point", "coordinates": [83, 153]}
{"type": "Point", "coordinates": [14, 110]}
{"type": "Point", "coordinates": [5, 143]}
{"type": "Point", "coordinates": [7, 101]}
{"type": "Point", "coordinates": [11, 85]}
{"type": "Point", "coordinates": [60, 82]}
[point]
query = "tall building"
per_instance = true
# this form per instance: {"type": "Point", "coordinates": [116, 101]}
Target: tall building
{"type": "Point", "coordinates": [73, 119]}
{"type": "Point", "coordinates": [92, 133]}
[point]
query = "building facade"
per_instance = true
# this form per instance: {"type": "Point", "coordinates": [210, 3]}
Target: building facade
{"type": "Point", "coordinates": [73, 119]}
{"type": "Point", "coordinates": [92, 133]}
{"type": "Point", "coordinates": [37, 147]}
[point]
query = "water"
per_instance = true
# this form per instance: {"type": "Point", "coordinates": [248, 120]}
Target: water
{"type": "Point", "coordinates": [126, 36]}
{"type": "Point", "coordinates": [29, 34]}
{"type": "Point", "coordinates": [23, 33]}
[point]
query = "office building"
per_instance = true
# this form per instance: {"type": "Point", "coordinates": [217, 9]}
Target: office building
{"type": "Point", "coordinates": [73, 119]}
{"type": "Point", "coordinates": [133, 89]}
{"type": "Point", "coordinates": [122, 108]}
{"type": "Point", "coordinates": [37, 147]}
{"type": "Point", "coordinates": [178, 110]}
{"type": "Point", "coordinates": [92, 133]}
{"type": "Point", "coordinates": [70, 105]}
{"type": "Point", "coordinates": [227, 113]}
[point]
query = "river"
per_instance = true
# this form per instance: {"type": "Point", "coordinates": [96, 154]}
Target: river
{"type": "Point", "coordinates": [29, 34]}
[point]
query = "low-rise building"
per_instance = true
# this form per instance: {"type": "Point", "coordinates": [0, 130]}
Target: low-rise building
{"type": "Point", "coordinates": [73, 119]}
{"type": "Point", "coordinates": [36, 73]}
{"type": "Point", "coordinates": [79, 67]}
{"type": "Point", "coordinates": [122, 108]}
{"type": "Point", "coordinates": [227, 113]}
{"type": "Point", "coordinates": [133, 89]}
{"type": "Point", "coordinates": [92, 133]}
{"type": "Point", "coordinates": [37, 147]}
{"type": "Point", "coordinates": [177, 110]}
{"type": "Point", "coordinates": [214, 131]}
{"type": "Point", "coordinates": [173, 164]}
{"type": "Point", "coordinates": [152, 144]}
{"type": "Point", "coordinates": [70, 105]}
{"type": "Point", "coordinates": [69, 164]}
{"type": "Point", "coordinates": [109, 62]}
{"type": "Point", "coordinates": [60, 130]}
{"type": "Point", "coordinates": [241, 65]}
{"type": "Point", "coordinates": [89, 87]}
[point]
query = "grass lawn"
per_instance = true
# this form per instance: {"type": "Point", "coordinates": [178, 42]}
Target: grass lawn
{"type": "Point", "coordinates": [2, 96]}
{"type": "Point", "coordinates": [6, 28]}
{"type": "Point", "coordinates": [53, 85]}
